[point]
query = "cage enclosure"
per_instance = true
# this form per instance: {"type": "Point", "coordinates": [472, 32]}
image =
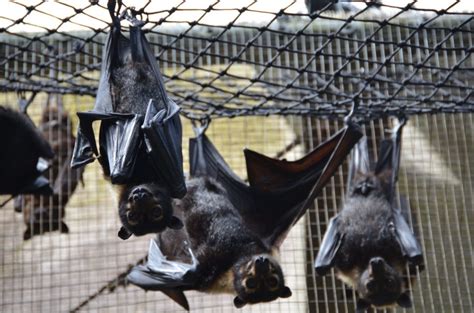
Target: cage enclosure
{"type": "Point", "coordinates": [276, 79]}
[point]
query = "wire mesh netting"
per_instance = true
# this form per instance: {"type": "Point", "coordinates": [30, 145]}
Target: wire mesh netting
{"type": "Point", "coordinates": [286, 77]}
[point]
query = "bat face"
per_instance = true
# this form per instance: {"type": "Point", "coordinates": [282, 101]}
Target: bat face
{"type": "Point", "coordinates": [260, 279]}
{"type": "Point", "coordinates": [380, 284]}
{"type": "Point", "coordinates": [43, 218]}
{"type": "Point", "coordinates": [145, 209]}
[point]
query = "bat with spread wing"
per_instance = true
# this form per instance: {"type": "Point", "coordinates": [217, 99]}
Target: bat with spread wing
{"type": "Point", "coordinates": [369, 243]}
{"type": "Point", "coordinates": [233, 230]}
{"type": "Point", "coordinates": [23, 154]}
{"type": "Point", "coordinates": [140, 132]}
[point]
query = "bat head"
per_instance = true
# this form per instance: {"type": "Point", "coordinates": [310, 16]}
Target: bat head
{"type": "Point", "coordinates": [381, 285]}
{"type": "Point", "coordinates": [259, 279]}
{"type": "Point", "coordinates": [43, 219]}
{"type": "Point", "coordinates": [366, 185]}
{"type": "Point", "coordinates": [145, 209]}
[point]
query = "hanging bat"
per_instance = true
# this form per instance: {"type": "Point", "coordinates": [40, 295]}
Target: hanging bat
{"type": "Point", "coordinates": [233, 231]}
{"type": "Point", "coordinates": [140, 132]}
{"type": "Point", "coordinates": [46, 213]}
{"type": "Point", "coordinates": [369, 243]}
{"type": "Point", "coordinates": [23, 154]}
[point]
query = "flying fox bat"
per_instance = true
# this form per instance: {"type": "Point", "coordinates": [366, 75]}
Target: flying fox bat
{"type": "Point", "coordinates": [369, 243]}
{"type": "Point", "coordinates": [233, 230]}
{"type": "Point", "coordinates": [23, 154]}
{"type": "Point", "coordinates": [140, 132]}
{"type": "Point", "coordinates": [46, 213]}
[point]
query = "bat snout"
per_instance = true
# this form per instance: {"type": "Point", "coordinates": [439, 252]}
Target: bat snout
{"type": "Point", "coordinates": [262, 264]}
{"type": "Point", "coordinates": [377, 265]}
{"type": "Point", "coordinates": [139, 194]}
{"type": "Point", "coordinates": [378, 261]}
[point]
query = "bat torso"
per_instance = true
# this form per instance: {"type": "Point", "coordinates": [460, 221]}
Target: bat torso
{"type": "Point", "coordinates": [45, 213]}
{"type": "Point", "coordinates": [215, 232]}
{"type": "Point", "coordinates": [367, 225]}
{"type": "Point", "coordinates": [133, 85]}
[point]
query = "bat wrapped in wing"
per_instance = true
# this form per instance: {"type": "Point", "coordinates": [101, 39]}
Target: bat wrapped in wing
{"type": "Point", "coordinates": [235, 229]}
{"type": "Point", "coordinates": [46, 213]}
{"type": "Point", "coordinates": [140, 132]}
{"type": "Point", "coordinates": [369, 243]}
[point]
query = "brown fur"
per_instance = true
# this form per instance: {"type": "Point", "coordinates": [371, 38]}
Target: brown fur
{"type": "Point", "coordinates": [46, 213]}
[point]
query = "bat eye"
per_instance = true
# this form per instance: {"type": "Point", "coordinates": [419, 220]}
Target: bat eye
{"type": "Point", "coordinates": [157, 214]}
{"type": "Point", "coordinates": [272, 282]}
{"type": "Point", "coordinates": [371, 285]}
{"type": "Point", "coordinates": [133, 218]}
{"type": "Point", "coordinates": [251, 283]}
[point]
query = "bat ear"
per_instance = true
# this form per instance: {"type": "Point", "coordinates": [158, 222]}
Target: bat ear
{"type": "Point", "coordinates": [238, 302]}
{"type": "Point", "coordinates": [175, 223]}
{"type": "Point", "coordinates": [64, 228]}
{"type": "Point", "coordinates": [362, 306]}
{"type": "Point", "coordinates": [404, 301]}
{"type": "Point", "coordinates": [285, 292]}
{"type": "Point", "coordinates": [124, 233]}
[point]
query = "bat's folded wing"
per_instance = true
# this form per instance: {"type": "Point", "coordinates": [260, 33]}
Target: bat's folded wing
{"type": "Point", "coordinates": [409, 244]}
{"type": "Point", "coordinates": [205, 160]}
{"type": "Point", "coordinates": [163, 135]}
{"type": "Point", "coordinates": [283, 190]}
{"type": "Point", "coordinates": [329, 246]}
{"type": "Point", "coordinates": [161, 274]}
{"type": "Point", "coordinates": [38, 184]}
{"type": "Point", "coordinates": [85, 149]}
{"type": "Point", "coordinates": [119, 143]}
{"type": "Point", "coordinates": [360, 161]}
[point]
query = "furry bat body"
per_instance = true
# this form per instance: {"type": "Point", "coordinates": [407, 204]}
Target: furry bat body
{"type": "Point", "coordinates": [230, 257]}
{"type": "Point", "coordinates": [144, 202]}
{"type": "Point", "coordinates": [369, 243]}
{"type": "Point", "coordinates": [46, 213]}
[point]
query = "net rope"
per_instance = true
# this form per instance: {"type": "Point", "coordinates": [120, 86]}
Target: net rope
{"type": "Point", "coordinates": [392, 58]}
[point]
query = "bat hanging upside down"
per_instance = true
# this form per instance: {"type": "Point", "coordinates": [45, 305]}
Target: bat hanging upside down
{"type": "Point", "coordinates": [230, 257]}
{"type": "Point", "coordinates": [46, 213]}
{"type": "Point", "coordinates": [140, 132]}
{"type": "Point", "coordinates": [369, 243]}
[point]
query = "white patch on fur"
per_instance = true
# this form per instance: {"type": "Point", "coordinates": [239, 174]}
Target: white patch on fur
{"type": "Point", "coordinates": [350, 278]}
